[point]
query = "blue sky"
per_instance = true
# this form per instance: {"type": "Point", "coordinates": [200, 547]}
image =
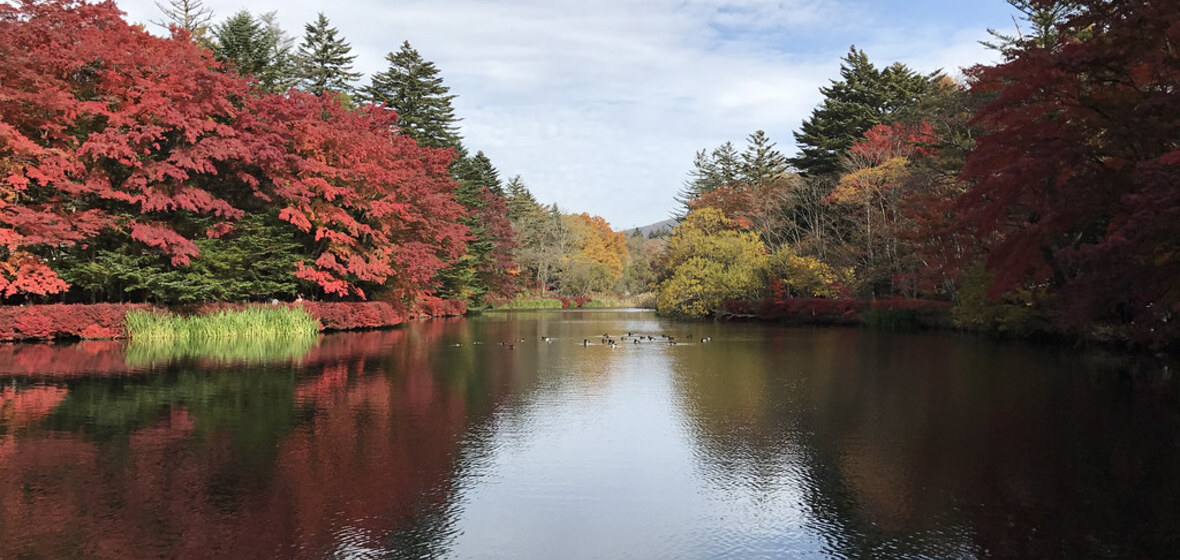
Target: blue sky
{"type": "Point", "coordinates": [600, 106]}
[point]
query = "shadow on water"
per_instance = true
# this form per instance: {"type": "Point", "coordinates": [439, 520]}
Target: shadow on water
{"type": "Point", "coordinates": [436, 440]}
{"type": "Point", "coordinates": [943, 446]}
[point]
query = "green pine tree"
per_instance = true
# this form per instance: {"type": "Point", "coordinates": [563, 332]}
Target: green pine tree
{"type": "Point", "coordinates": [412, 87]}
{"type": "Point", "coordinates": [521, 202]}
{"type": "Point", "coordinates": [761, 163]}
{"type": "Point", "coordinates": [1044, 20]}
{"type": "Point", "coordinates": [710, 171]}
{"type": "Point", "coordinates": [462, 280]}
{"type": "Point", "coordinates": [256, 47]}
{"type": "Point", "coordinates": [478, 171]}
{"type": "Point", "coordinates": [324, 61]}
{"type": "Point", "coordinates": [862, 98]}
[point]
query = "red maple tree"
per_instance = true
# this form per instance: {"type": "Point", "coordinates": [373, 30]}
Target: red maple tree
{"type": "Point", "coordinates": [105, 127]}
{"type": "Point", "coordinates": [1077, 181]}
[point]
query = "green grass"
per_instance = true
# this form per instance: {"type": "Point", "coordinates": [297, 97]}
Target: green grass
{"type": "Point", "coordinates": [646, 300]}
{"type": "Point", "coordinates": [250, 323]}
{"type": "Point", "coordinates": [529, 303]}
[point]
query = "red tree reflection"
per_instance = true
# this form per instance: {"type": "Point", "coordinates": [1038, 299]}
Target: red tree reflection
{"type": "Point", "coordinates": [378, 441]}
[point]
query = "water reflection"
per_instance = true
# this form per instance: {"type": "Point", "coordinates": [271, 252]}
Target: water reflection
{"type": "Point", "coordinates": [437, 441]}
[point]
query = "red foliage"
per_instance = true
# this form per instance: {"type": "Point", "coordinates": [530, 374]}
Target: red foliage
{"type": "Point", "coordinates": [83, 358]}
{"type": "Point", "coordinates": [381, 206]}
{"type": "Point", "coordinates": [434, 306]}
{"type": "Point", "coordinates": [99, 118]}
{"type": "Point", "coordinates": [104, 320]}
{"type": "Point", "coordinates": [884, 142]}
{"type": "Point", "coordinates": [1078, 178]}
{"type": "Point", "coordinates": [104, 126]}
{"type": "Point", "coordinates": [798, 310]}
{"type": "Point", "coordinates": [576, 302]}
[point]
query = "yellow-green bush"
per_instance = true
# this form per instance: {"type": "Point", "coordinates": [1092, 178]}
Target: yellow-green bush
{"type": "Point", "coordinates": [710, 263]}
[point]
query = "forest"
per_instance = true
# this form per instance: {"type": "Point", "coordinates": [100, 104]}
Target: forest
{"type": "Point", "coordinates": [234, 162]}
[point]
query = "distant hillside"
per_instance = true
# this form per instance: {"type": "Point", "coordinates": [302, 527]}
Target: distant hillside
{"type": "Point", "coordinates": [658, 227]}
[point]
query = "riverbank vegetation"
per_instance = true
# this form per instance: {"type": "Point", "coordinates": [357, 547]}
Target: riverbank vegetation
{"type": "Point", "coordinates": [1037, 196]}
{"type": "Point", "coordinates": [251, 322]}
{"type": "Point", "coordinates": [233, 163]}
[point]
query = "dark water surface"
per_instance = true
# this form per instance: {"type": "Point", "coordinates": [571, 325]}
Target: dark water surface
{"type": "Point", "coordinates": [768, 442]}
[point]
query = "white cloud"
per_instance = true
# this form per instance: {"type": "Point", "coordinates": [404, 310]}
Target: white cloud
{"type": "Point", "coordinates": [601, 105]}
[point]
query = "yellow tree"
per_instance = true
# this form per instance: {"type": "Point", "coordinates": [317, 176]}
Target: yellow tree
{"type": "Point", "coordinates": [709, 262]}
{"type": "Point", "coordinates": [596, 260]}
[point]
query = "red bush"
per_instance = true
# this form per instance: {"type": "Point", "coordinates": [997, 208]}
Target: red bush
{"type": "Point", "coordinates": [434, 306]}
{"type": "Point", "coordinates": [339, 316]}
{"type": "Point", "coordinates": [801, 310]}
{"type": "Point", "coordinates": [104, 320]}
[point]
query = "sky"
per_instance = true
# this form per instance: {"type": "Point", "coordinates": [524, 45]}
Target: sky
{"type": "Point", "coordinates": [600, 105]}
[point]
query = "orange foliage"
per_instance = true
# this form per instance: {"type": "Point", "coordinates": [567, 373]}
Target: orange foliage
{"type": "Point", "coordinates": [598, 243]}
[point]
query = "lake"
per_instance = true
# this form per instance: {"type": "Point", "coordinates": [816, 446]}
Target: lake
{"type": "Point", "coordinates": [437, 441]}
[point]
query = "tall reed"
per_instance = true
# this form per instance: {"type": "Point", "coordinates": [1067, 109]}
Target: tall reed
{"type": "Point", "coordinates": [251, 322]}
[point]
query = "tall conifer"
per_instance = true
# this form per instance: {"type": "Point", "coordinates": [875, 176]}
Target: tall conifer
{"type": "Point", "coordinates": [325, 61]}
{"type": "Point", "coordinates": [412, 87]}
{"type": "Point", "coordinates": [862, 98]}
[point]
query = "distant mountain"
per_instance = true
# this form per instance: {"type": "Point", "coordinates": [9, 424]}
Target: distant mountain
{"type": "Point", "coordinates": [657, 228]}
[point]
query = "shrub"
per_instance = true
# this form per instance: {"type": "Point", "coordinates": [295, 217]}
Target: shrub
{"type": "Point", "coordinates": [808, 310]}
{"type": "Point", "coordinates": [905, 314]}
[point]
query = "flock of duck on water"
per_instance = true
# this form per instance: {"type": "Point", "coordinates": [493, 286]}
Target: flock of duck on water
{"type": "Point", "coordinates": [607, 340]}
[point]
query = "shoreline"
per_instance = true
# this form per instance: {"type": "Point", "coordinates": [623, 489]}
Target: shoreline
{"type": "Point", "coordinates": [107, 321]}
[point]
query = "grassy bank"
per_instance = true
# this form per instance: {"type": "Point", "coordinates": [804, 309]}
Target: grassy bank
{"type": "Point", "coordinates": [597, 301]}
{"type": "Point", "coordinates": [646, 300]}
{"type": "Point", "coordinates": [251, 322]}
{"type": "Point", "coordinates": [529, 303]}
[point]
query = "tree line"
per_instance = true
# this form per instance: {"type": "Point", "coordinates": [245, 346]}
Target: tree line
{"type": "Point", "coordinates": [1040, 194]}
{"type": "Point", "coordinates": [231, 162]}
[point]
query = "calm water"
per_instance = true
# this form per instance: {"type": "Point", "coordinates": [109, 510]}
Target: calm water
{"type": "Point", "coordinates": [767, 442]}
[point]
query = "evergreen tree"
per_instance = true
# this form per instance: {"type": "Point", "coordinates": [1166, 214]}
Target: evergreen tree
{"type": "Point", "coordinates": [863, 98]}
{"type": "Point", "coordinates": [761, 163]}
{"type": "Point", "coordinates": [467, 278]}
{"type": "Point", "coordinates": [521, 203]}
{"type": "Point", "coordinates": [1045, 20]}
{"type": "Point", "coordinates": [710, 172]}
{"type": "Point", "coordinates": [477, 170]}
{"type": "Point", "coordinates": [278, 75]}
{"type": "Point", "coordinates": [412, 87]}
{"type": "Point", "coordinates": [256, 47]}
{"type": "Point", "coordinates": [324, 61]}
